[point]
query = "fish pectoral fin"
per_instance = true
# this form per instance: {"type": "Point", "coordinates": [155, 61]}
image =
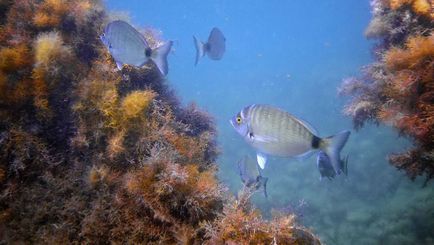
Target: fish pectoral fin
{"type": "Point", "coordinates": [265, 139]}
{"type": "Point", "coordinates": [262, 160]}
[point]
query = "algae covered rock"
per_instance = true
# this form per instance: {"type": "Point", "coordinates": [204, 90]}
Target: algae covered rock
{"type": "Point", "coordinates": [90, 154]}
{"type": "Point", "coordinates": [397, 89]}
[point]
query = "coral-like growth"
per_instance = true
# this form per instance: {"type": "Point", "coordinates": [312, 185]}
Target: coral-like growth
{"type": "Point", "coordinates": [422, 7]}
{"type": "Point", "coordinates": [50, 13]}
{"type": "Point", "coordinates": [12, 59]}
{"type": "Point", "coordinates": [398, 90]}
{"type": "Point", "coordinates": [136, 102]}
{"type": "Point", "coordinates": [89, 154]}
{"type": "Point", "coordinates": [242, 224]}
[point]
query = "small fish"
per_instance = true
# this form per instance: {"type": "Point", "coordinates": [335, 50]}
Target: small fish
{"type": "Point", "coordinates": [251, 175]}
{"type": "Point", "coordinates": [325, 166]}
{"type": "Point", "coordinates": [214, 48]}
{"type": "Point", "coordinates": [272, 131]}
{"type": "Point", "coordinates": [128, 46]}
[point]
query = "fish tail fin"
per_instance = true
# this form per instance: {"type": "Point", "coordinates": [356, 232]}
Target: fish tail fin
{"type": "Point", "coordinates": [264, 185]}
{"type": "Point", "coordinates": [332, 146]}
{"type": "Point", "coordinates": [160, 57]}
{"type": "Point", "coordinates": [200, 49]}
{"type": "Point", "coordinates": [345, 165]}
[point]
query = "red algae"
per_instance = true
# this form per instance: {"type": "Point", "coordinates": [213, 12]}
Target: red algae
{"type": "Point", "coordinates": [89, 154]}
{"type": "Point", "coordinates": [398, 89]}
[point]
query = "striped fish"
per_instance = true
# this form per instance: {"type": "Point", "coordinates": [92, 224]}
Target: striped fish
{"type": "Point", "coordinates": [272, 131]}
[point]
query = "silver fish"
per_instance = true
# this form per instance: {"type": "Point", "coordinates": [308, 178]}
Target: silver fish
{"type": "Point", "coordinates": [325, 166]}
{"type": "Point", "coordinates": [251, 175]}
{"type": "Point", "coordinates": [272, 131]}
{"type": "Point", "coordinates": [128, 46]}
{"type": "Point", "coordinates": [214, 47]}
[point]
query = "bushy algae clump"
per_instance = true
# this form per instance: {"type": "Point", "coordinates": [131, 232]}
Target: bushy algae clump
{"type": "Point", "coordinates": [398, 88]}
{"type": "Point", "coordinates": [90, 154]}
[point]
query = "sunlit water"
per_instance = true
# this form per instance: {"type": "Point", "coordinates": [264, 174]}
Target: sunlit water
{"type": "Point", "coordinates": [294, 54]}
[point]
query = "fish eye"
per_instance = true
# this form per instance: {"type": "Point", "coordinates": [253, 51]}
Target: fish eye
{"type": "Point", "coordinates": [239, 119]}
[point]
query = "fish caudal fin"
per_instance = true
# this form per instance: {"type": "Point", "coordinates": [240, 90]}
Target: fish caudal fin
{"type": "Point", "coordinates": [264, 181]}
{"type": "Point", "coordinates": [332, 146]}
{"type": "Point", "coordinates": [160, 57]}
{"type": "Point", "coordinates": [345, 165]}
{"type": "Point", "coordinates": [200, 49]}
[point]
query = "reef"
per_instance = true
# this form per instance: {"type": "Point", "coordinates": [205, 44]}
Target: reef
{"type": "Point", "coordinates": [90, 154]}
{"type": "Point", "coordinates": [398, 88]}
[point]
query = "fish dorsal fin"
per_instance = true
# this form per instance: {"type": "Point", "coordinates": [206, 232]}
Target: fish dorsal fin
{"type": "Point", "coordinates": [262, 160]}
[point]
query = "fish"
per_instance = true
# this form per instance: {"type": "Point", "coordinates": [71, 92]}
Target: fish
{"type": "Point", "coordinates": [214, 47]}
{"type": "Point", "coordinates": [325, 167]}
{"type": "Point", "coordinates": [272, 131]}
{"type": "Point", "coordinates": [251, 175]}
{"type": "Point", "coordinates": [128, 46]}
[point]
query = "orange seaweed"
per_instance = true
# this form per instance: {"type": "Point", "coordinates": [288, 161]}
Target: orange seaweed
{"type": "Point", "coordinates": [398, 88]}
{"type": "Point", "coordinates": [14, 58]}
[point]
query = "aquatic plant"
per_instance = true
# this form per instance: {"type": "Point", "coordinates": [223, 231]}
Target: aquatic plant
{"type": "Point", "coordinates": [397, 89]}
{"type": "Point", "coordinates": [240, 223]}
{"type": "Point", "coordinates": [90, 154]}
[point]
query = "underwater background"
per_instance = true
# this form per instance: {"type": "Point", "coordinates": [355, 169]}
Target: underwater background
{"type": "Point", "coordinates": [92, 153]}
{"type": "Point", "coordinates": [294, 55]}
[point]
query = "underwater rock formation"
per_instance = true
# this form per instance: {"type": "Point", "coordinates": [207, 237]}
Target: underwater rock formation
{"type": "Point", "coordinates": [398, 88]}
{"type": "Point", "coordinates": [89, 154]}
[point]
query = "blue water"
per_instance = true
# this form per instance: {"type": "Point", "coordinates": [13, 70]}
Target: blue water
{"type": "Point", "coordinates": [294, 54]}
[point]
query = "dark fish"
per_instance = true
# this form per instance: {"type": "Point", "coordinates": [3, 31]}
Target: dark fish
{"type": "Point", "coordinates": [325, 167]}
{"type": "Point", "coordinates": [276, 132]}
{"type": "Point", "coordinates": [251, 175]}
{"type": "Point", "coordinates": [128, 46]}
{"type": "Point", "coordinates": [214, 47]}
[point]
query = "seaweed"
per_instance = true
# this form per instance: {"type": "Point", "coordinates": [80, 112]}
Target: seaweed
{"type": "Point", "coordinates": [397, 90]}
{"type": "Point", "coordinates": [90, 154]}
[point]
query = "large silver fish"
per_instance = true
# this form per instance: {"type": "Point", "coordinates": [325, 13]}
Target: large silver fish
{"type": "Point", "coordinates": [251, 175]}
{"type": "Point", "coordinates": [272, 131]}
{"type": "Point", "coordinates": [214, 47]}
{"type": "Point", "coordinates": [128, 46]}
